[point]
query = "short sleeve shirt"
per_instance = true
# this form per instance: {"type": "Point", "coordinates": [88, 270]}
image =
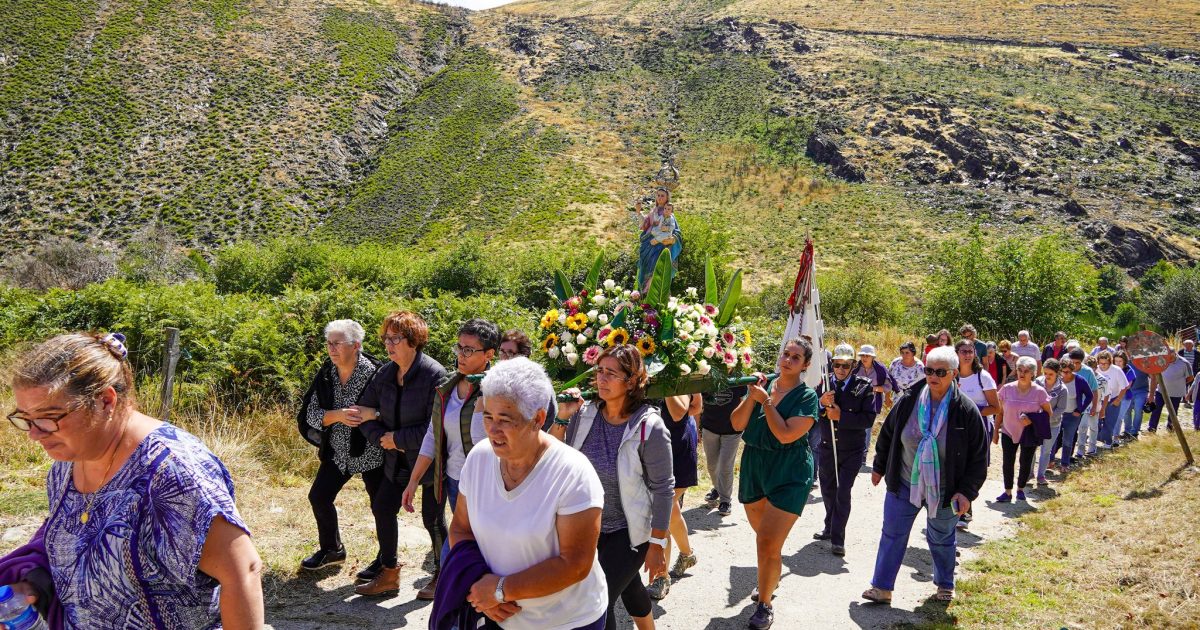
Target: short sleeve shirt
{"type": "Point", "coordinates": [516, 529]}
{"type": "Point", "coordinates": [1015, 403]}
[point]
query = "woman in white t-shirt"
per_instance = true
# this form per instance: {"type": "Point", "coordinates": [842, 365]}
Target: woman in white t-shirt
{"type": "Point", "coordinates": [533, 506]}
{"type": "Point", "coordinates": [980, 387]}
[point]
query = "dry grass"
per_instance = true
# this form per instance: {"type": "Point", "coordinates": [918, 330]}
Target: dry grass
{"type": "Point", "coordinates": [1170, 23]}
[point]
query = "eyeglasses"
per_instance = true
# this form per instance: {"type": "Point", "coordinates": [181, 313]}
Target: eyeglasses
{"type": "Point", "coordinates": [466, 352]}
{"type": "Point", "coordinates": [334, 345]}
{"type": "Point", "coordinates": [842, 365]}
{"type": "Point", "coordinates": [938, 372]}
{"type": "Point", "coordinates": [967, 351]}
{"type": "Point", "coordinates": [607, 374]}
{"type": "Point", "coordinates": [48, 424]}
{"type": "Point", "coordinates": [393, 341]}
{"type": "Point", "coordinates": [508, 354]}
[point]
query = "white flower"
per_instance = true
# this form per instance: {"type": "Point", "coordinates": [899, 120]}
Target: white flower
{"type": "Point", "coordinates": [702, 367]}
{"type": "Point", "coordinates": [688, 326]}
{"type": "Point", "coordinates": [684, 336]}
{"type": "Point", "coordinates": [593, 314]}
{"type": "Point", "coordinates": [589, 332]}
{"type": "Point", "coordinates": [572, 358]}
{"type": "Point", "coordinates": [692, 349]}
{"type": "Point", "coordinates": [552, 352]}
{"type": "Point", "coordinates": [625, 294]}
{"type": "Point", "coordinates": [691, 292]}
{"type": "Point", "coordinates": [581, 338]}
{"type": "Point", "coordinates": [684, 369]}
{"type": "Point", "coordinates": [568, 348]}
{"type": "Point", "coordinates": [562, 318]}
{"type": "Point", "coordinates": [609, 284]}
{"type": "Point", "coordinates": [708, 352]}
{"type": "Point", "coordinates": [599, 300]}
{"type": "Point", "coordinates": [671, 302]}
{"type": "Point", "coordinates": [603, 318]}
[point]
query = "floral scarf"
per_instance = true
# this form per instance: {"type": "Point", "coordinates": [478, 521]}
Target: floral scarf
{"type": "Point", "coordinates": [926, 482]}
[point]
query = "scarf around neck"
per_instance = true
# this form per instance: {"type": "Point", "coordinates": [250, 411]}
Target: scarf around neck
{"type": "Point", "coordinates": [926, 482]}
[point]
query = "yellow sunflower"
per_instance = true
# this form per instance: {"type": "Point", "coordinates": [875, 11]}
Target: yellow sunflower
{"type": "Point", "coordinates": [577, 322]}
{"type": "Point", "coordinates": [645, 346]}
{"type": "Point", "coordinates": [550, 318]}
{"type": "Point", "coordinates": [550, 341]}
{"type": "Point", "coordinates": [746, 334]}
{"type": "Point", "coordinates": [617, 337]}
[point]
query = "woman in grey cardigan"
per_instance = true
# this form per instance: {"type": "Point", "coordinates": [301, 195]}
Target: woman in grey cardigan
{"type": "Point", "coordinates": [1059, 403]}
{"type": "Point", "coordinates": [626, 441]}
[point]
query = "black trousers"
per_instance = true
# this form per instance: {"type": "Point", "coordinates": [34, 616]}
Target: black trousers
{"type": "Point", "coordinates": [1010, 456]}
{"type": "Point", "coordinates": [325, 488]}
{"type": "Point", "coordinates": [385, 505]}
{"type": "Point", "coordinates": [836, 485]}
{"type": "Point", "coordinates": [621, 566]}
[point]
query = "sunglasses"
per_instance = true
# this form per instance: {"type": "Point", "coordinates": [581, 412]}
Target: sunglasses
{"type": "Point", "coordinates": [938, 372]}
{"type": "Point", "coordinates": [842, 365]}
{"type": "Point", "coordinates": [46, 424]}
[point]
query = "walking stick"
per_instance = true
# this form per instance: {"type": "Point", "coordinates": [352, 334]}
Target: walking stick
{"type": "Point", "coordinates": [837, 484]}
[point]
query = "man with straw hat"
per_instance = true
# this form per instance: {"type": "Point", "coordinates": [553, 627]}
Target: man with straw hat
{"type": "Point", "coordinates": [847, 413]}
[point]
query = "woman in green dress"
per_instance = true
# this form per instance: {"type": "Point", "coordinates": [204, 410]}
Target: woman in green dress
{"type": "Point", "coordinates": [777, 467]}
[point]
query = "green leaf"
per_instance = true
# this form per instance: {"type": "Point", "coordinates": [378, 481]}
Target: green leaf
{"type": "Point", "coordinates": [655, 363]}
{"type": "Point", "coordinates": [618, 320]}
{"type": "Point", "coordinates": [660, 283]}
{"type": "Point", "coordinates": [593, 277]}
{"type": "Point", "coordinates": [562, 286]}
{"type": "Point", "coordinates": [729, 302]}
{"type": "Point", "coordinates": [710, 282]}
{"type": "Point", "coordinates": [579, 378]}
{"type": "Point", "coordinates": [667, 320]}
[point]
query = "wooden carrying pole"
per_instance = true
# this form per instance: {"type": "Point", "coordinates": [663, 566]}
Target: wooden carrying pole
{"type": "Point", "coordinates": [170, 360]}
{"type": "Point", "coordinates": [1187, 450]}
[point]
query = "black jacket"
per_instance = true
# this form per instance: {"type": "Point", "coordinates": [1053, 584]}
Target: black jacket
{"type": "Point", "coordinates": [322, 387]}
{"type": "Point", "coordinates": [857, 403]}
{"type": "Point", "coordinates": [403, 411]}
{"type": "Point", "coordinates": [965, 468]}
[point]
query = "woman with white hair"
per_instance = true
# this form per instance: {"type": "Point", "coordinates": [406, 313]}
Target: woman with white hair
{"type": "Point", "coordinates": [932, 450]}
{"type": "Point", "coordinates": [1017, 400]}
{"type": "Point", "coordinates": [532, 505]}
{"type": "Point", "coordinates": [341, 447]}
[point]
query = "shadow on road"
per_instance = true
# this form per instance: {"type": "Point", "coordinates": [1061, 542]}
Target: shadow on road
{"type": "Point", "coordinates": [299, 600]}
{"type": "Point", "coordinates": [815, 559]}
{"type": "Point", "coordinates": [702, 519]}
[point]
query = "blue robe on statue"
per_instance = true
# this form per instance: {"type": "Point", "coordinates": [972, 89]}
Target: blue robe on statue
{"type": "Point", "coordinates": [658, 228]}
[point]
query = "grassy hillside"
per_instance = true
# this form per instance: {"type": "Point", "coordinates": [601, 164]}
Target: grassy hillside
{"type": "Point", "coordinates": [408, 123]}
{"type": "Point", "coordinates": [1167, 24]}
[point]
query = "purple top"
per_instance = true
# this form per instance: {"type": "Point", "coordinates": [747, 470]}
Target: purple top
{"type": "Point", "coordinates": [1015, 403]}
{"type": "Point", "coordinates": [135, 562]}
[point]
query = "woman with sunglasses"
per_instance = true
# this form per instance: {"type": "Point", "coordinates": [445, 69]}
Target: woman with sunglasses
{"type": "Point", "coordinates": [980, 387]}
{"type": "Point", "coordinates": [932, 451]}
{"type": "Point", "coordinates": [777, 466]}
{"type": "Point", "coordinates": [394, 414]}
{"type": "Point", "coordinates": [121, 481]}
{"type": "Point", "coordinates": [342, 449]}
{"type": "Point", "coordinates": [1017, 400]}
{"type": "Point", "coordinates": [624, 438]}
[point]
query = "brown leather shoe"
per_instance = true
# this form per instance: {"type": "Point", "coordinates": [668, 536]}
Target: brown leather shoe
{"type": "Point", "coordinates": [386, 583]}
{"type": "Point", "coordinates": [426, 592]}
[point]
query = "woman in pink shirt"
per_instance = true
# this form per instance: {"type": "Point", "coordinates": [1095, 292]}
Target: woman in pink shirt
{"type": "Point", "coordinates": [1017, 399]}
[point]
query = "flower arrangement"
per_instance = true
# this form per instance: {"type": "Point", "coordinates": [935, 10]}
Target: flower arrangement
{"type": "Point", "coordinates": [689, 343]}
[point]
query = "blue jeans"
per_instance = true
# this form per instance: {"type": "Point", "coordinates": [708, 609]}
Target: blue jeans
{"type": "Point", "coordinates": [1135, 408]}
{"type": "Point", "coordinates": [452, 494]}
{"type": "Point", "coordinates": [1127, 415]}
{"type": "Point", "coordinates": [1047, 452]}
{"type": "Point", "coordinates": [1069, 429]}
{"type": "Point", "coordinates": [1112, 422]}
{"type": "Point", "coordinates": [898, 516]}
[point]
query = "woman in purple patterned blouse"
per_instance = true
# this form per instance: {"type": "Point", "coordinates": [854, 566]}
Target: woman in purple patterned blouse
{"type": "Point", "coordinates": [143, 531]}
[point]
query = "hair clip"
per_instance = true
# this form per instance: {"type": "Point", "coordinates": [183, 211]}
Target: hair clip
{"type": "Point", "coordinates": [116, 343]}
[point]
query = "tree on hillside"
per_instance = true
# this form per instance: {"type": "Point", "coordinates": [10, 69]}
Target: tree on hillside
{"type": "Point", "coordinates": [1035, 285]}
{"type": "Point", "coordinates": [1175, 304]}
{"type": "Point", "coordinates": [860, 294]}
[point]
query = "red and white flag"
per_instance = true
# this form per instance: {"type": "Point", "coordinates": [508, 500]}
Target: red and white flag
{"type": "Point", "coordinates": [804, 316]}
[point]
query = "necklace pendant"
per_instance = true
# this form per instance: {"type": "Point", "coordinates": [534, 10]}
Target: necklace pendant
{"type": "Point", "coordinates": [83, 518]}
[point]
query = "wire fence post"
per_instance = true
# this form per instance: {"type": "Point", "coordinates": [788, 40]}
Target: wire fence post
{"type": "Point", "coordinates": [171, 352]}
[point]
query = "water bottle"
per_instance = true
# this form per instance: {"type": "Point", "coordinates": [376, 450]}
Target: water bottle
{"type": "Point", "coordinates": [15, 614]}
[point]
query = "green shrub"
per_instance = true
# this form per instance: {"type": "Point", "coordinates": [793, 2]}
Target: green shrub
{"type": "Point", "coordinates": [862, 294]}
{"type": "Point", "coordinates": [1175, 303]}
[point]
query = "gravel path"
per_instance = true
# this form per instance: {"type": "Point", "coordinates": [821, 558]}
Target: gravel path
{"type": "Point", "coordinates": [816, 586]}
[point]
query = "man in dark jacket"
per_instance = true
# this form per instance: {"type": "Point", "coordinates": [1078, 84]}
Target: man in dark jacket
{"type": "Point", "coordinates": [936, 460]}
{"type": "Point", "coordinates": [847, 412]}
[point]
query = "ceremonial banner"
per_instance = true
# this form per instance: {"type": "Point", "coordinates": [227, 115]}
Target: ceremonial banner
{"type": "Point", "coordinates": [804, 316]}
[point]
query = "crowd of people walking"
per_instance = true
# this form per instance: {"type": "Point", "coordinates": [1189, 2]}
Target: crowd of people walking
{"type": "Point", "coordinates": [558, 507]}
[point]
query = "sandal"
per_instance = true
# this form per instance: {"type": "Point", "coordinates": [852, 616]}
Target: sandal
{"type": "Point", "coordinates": [944, 595]}
{"type": "Point", "coordinates": [877, 596]}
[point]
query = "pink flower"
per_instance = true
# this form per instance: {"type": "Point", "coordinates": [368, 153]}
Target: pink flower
{"type": "Point", "coordinates": [704, 321]}
{"type": "Point", "coordinates": [730, 359]}
{"type": "Point", "coordinates": [710, 309]}
{"type": "Point", "coordinates": [591, 354]}
{"type": "Point", "coordinates": [747, 358]}
{"type": "Point", "coordinates": [635, 296]}
{"type": "Point", "coordinates": [603, 334]}
{"type": "Point", "coordinates": [728, 338]}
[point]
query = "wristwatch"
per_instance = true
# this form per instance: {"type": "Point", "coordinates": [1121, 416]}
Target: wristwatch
{"type": "Point", "coordinates": [661, 542]}
{"type": "Point", "coordinates": [500, 591]}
